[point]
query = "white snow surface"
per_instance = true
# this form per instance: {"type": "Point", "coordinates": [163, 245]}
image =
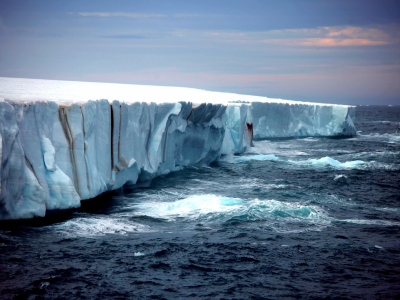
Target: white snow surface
{"type": "Point", "coordinates": [67, 92]}
{"type": "Point", "coordinates": [62, 141]}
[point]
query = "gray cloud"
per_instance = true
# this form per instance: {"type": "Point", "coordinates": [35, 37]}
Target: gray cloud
{"type": "Point", "coordinates": [120, 14]}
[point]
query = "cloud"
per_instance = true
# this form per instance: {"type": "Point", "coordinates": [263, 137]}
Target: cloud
{"type": "Point", "coordinates": [125, 36]}
{"type": "Point", "coordinates": [325, 42]}
{"type": "Point", "coordinates": [357, 33]}
{"type": "Point", "coordinates": [345, 36]}
{"type": "Point", "coordinates": [334, 37]}
{"type": "Point", "coordinates": [294, 67]}
{"type": "Point", "coordinates": [120, 14]}
{"type": "Point", "coordinates": [225, 34]}
{"type": "Point", "coordinates": [194, 15]}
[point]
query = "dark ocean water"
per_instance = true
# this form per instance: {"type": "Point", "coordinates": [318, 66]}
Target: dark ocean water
{"type": "Point", "coordinates": [293, 218]}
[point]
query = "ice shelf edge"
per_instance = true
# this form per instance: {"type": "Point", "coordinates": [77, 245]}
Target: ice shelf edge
{"type": "Point", "coordinates": [53, 155]}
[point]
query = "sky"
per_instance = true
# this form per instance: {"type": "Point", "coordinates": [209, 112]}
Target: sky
{"type": "Point", "coordinates": [344, 52]}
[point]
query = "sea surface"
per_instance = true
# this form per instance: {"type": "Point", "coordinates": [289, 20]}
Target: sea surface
{"type": "Point", "coordinates": [306, 218]}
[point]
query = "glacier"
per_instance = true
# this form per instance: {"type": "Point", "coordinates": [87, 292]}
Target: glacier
{"type": "Point", "coordinates": [62, 142]}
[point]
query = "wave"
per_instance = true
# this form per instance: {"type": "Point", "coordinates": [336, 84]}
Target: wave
{"type": "Point", "coordinates": [324, 161]}
{"type": "Point", "coordinates": [268, 214]}
{"type": "Point", "coordinates": [370, 222]}
{"type": "Point", "coordinates": [383, 137]}
{"type": "Point", "coordinates": [192, 207]}
{"type": "Point", "coordinates": [257, 157]}
{"type": "Point", "coordinates": [278, 216]}
{"type": "Point", "coordinates": [92, 226]}
{"type": "Point", "coordinates": [212, 208]}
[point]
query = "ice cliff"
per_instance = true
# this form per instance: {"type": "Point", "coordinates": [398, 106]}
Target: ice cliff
{"type": "Point", "coordinates": [62, 142]}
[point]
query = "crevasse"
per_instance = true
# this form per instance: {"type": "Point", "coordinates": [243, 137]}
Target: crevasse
{"type": "Point", "coordinates": [57, 147]}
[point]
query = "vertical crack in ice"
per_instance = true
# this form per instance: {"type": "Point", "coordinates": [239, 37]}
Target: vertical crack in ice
{"type": "Point", "coordinates": [249, 127]}
{"type": "Point", "coordinates": [88, 184]}
{"type": "Point", "coordinates": [148, 142]}
{"type": "Point", "coordinates": [187, 119]}
{"type": "Point", "coordinates": [119, 138]}
{"type": "Point", "coordinates": [165, 140]}
{"type": "Point", "coordinates": [67, 132]}
{"type": "Point", "coordinates": [112, 138]}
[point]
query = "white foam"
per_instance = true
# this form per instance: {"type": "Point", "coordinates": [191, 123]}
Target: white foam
{"type": "Point", "coordinates": [257, 157]}
{"type": "Point", "coordinates": [325, 161]}
{"type": "Point", "coordinates": [96, 226]}
{"type": "Point", "coordinates": [191, 207]}
{"type": "Point", "coordinates": [335, 163]}
{"type": "Point", "coordinates": [214, 208]}
{"type": "Point", "coordinates": [388, 209]}
{"type": "Point", "coordinates": [371, 222]}
{"type": "Point", "coordinates": [340, 177]}
{"type": "Point", "coordinates": [385, 137]}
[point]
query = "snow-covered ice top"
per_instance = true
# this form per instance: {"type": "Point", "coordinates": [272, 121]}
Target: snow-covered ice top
{"type": "Point", "coordinates": [67, 92]}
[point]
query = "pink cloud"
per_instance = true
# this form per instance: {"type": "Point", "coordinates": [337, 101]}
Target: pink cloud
{"type": "Point", "coordinates": [358, 32]}
{"type": "Point", "coordinates": [322, 36]}
{"type": "Point", "coordinates": [325, 42]}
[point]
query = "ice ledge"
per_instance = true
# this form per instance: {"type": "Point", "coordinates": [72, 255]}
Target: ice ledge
{"type": "Point", "coordinates": [58, 148]}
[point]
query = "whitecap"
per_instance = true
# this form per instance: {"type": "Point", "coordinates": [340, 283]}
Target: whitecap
{"type": "Point", "coordinates": [335, 163]}
{"type": "Point", "coordinates": [257, 157]}
{"type": "Point", "coordinates": [95, 226]}
{"type": "Point", "coordinates": [340, 177]}
{"type": "Point", "coordinates": [216, 209]}
{"type": "Point", "coordinates": [371, 222]}
{"type": "Point", "coordinates": [190, 207]}
{"type": "Point", "coordinates": [388, 209]}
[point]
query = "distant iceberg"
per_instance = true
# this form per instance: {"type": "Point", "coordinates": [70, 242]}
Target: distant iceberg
{"type": "Point", "coordinates": [63, 142]}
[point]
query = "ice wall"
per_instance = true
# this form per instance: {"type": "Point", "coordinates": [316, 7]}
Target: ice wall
{"type": "Point", "coordinates": [239, 129]}
{"type": "Point", "coordinates": [53, 156]}
{"type": "Point", "coordinates": [57, 147]}
{"type": "Point", "coordinates": [271, 120]}
{"type": "Point", "coordinates": [260, 120]}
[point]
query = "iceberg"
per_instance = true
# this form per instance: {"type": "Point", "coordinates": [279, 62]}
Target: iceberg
{"type": "Point", "coordinates": [62, 142]}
